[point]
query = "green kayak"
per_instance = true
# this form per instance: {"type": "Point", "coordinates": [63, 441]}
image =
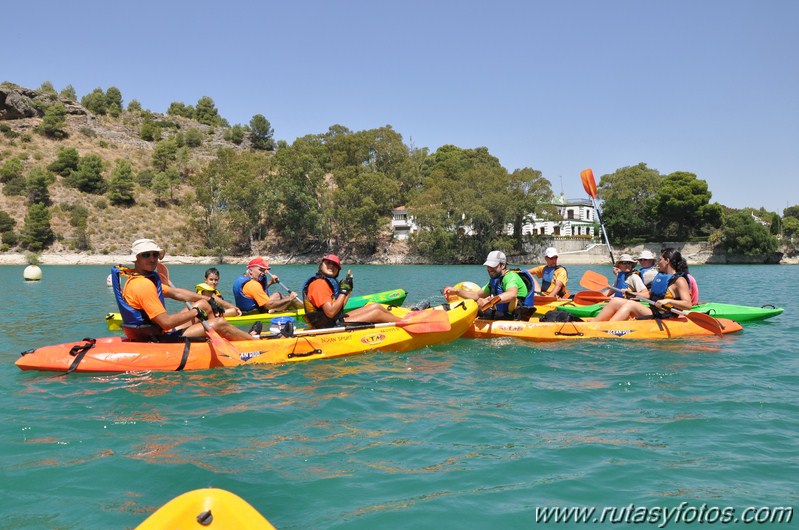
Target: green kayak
{"type": "Point", "coordinates": [395, 297]}
{"type": "Point", "coordinates": [738, 313]}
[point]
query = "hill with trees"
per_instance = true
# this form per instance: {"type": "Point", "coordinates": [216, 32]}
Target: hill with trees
{"type": "Point", "coordinates": [93, 174]}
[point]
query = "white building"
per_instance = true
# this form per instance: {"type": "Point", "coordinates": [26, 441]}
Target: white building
{"type": "Point", "coordinates": [402, 223]}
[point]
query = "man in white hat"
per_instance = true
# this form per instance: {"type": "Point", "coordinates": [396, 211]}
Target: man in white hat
{"type": "Point", "coordinates": [505, 290]}
{"type": "Point", "coordinates": [554, 277]}
{"type": "Point", "coordinates": [648, 268]}
{"type": "Point", "coordinates": [627, 278]}
{"type": "Point", "coordinates": [141, 301]}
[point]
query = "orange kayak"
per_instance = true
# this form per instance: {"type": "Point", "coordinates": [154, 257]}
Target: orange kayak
{"type": "Point", "coordinates": [118, 354]}
{"type": "Point", "coordinates": [648, 329]}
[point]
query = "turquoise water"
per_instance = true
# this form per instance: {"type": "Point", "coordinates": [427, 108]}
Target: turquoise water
{"type": "Point", "coordinates": [473, 434]}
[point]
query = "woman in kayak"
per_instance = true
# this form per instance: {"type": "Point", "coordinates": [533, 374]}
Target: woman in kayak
{"type": "Point", "coordinates": [670, 288]}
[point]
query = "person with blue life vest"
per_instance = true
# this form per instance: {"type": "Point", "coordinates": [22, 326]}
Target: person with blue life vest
{"type": "Point", "coordinates": [648, 269]}
{"type": "Point", "coordinates": [251, 291]}
{"type": "Point", "coordinates": [670, 288]}
{"type": "Point", "coordinates": [627, 278]}
{"type": "Point", "coordinates": [554, 277]}
{"type": "Point", "coordinates": [141, 302]}
{"type": "Point", "coordinates": [505, 293]}
{"type": "Point", "coordinates": [324, 299]}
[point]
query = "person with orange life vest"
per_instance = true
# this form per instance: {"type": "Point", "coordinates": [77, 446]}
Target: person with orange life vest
{"type": "Point", "coordinates": [554, 277]}
{"type": "Point", "coordinates": [324, 298]}
{"type": "Point", "coordinates": [251, 291]}
{"type": "Point", "coordinates": [141, 302]}
{"type": "Point", "coordinates": [670, 288]}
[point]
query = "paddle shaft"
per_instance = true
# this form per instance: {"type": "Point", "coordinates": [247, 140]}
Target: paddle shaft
{"type": "Point", "coordinates": [590, 188]}
{"type": "Point", "coordinates": [279, 282]}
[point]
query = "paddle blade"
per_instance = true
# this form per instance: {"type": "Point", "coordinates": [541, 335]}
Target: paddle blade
{"type": "Point", "coordinates": [224, 352]}
{"type": "Point", "coordinates": [705, 321]}
{"type": "Point", "coordinates": [587, 176]}
{"type": "Point", "coordinates": [494, 300]}
{"type": "Point", "coordinates": [425, 321]}
{"type": "Point", "coordinates": [542, 300]}
{"type": "Point", "coordinates": [593, 281]}
{"type": "Point", "coordinates": [590, 298]}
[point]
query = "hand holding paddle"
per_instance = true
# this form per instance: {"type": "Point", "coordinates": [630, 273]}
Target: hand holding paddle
{"type": "Point", "coordinates": [595, 281]}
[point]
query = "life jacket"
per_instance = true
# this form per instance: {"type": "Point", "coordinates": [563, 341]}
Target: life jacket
{"type": "Point", "coordinates": [244, 302]}
{"type": "Point", "coordinates": [621, 282]}
{"type": "Point", "coordinates": [203, 287]}
{"type": "Point", "coordinates": [315, 316]}
{"type": "Point", "coordinates": [643, 272]}
{"type": "Point", "coordinates": [130, 315]}
{"type": "Point", "coordinates": [692, 287]}
{"type": "Point", "coordinates": [547, 275]}
{"type": "Point", "coordinates": [528, 300]}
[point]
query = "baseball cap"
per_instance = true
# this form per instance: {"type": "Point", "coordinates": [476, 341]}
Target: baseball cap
{"type": "Point", "coordinates": [551, 252]}
{"type": "Point", "coordinates": [646, 254]}
{"type": "Point", "coordinates": [258, 262]}
{"type": "Point", "coordinates": [145, 245]}
{"type": "Point", "coordinates": [495, 258]}
{"type": "Point", "coordinates": [333, 258]}
{"type": "Point", "coordinates": [625, 258]}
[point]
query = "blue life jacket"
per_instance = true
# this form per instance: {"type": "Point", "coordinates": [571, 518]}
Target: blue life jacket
{"type": "Point", "coordinates": [643, 272]}
{"type": "Point", "coordinates": [315, 316]}
{"type": "Point", "coordinates": [621, 282]}
{"type": "Point", "coordinates": [496, 288]}
{"type": "Point", "coordinates": [547, 275]}
{"type": "Point", "coordinates": [131, 315]}
{"type": "Point", "coordinates": [244, 302]}
{"type": "Point", "coordinates": [660, 285]}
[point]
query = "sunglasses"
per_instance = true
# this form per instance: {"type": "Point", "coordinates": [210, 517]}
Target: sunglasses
{"type": "Point", "coordinates": [148, 255]}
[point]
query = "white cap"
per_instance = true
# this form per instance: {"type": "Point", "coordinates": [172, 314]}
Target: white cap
{"type": "Point", "coordinates": [625, 258]}
{"type": "Point", "coordinates": [145, 245]}
{"type": "Point", "coordinates": [646, 254]}
{"type": "Point", "coordinates": [495, 258]}
{"type": "Point", "coordinates": [551, 252]}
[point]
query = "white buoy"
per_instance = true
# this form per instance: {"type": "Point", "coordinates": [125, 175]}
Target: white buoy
{"type": "Point", "coordinates": [108, 281]}
{"type": "Point", "coordinates": [32, 273]}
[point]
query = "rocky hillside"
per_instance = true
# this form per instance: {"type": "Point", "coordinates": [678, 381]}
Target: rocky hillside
{"type": "Point", "coordinates": [110, 229]}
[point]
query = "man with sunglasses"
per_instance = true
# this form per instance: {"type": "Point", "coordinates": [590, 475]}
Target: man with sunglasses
{"type": "Point", "coordinates": [141, 302]}
{"type": "Point", "coordinates": [251, 290]}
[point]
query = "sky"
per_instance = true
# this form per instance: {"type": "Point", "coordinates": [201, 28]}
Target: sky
{"type": "Point", "coordinates": [710, 87]}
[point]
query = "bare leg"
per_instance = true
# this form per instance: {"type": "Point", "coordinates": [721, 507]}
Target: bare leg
{"type": "Point", "coordinates": [610, 309]}
{"type": "Point", "coordinates": [371, 312]}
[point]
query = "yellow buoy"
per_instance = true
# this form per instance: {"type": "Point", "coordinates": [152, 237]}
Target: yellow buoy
{"type": "Point", "coordinates": [32, 273]}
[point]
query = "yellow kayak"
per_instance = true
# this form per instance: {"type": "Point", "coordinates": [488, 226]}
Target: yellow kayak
{"type": "Point", "coordinates": [206, 508]}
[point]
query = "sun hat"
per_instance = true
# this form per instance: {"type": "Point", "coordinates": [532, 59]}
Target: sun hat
{"type": "Point", "coordinates": [551, 252]}
{"type": "Point", "coordinates": [495, 258]}
{"type": "Point", "coordinates": [333, 258]}
{"type": "Point", "coordinates": [258, 262]}
{"type": "Point", "coordinates": [646, 254]}
{"type": "Point", "coordinates": [625, 258]}
{"type": "Point", "coordinates": [146, 245]}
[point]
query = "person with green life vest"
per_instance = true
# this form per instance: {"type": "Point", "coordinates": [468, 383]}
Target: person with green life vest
{"type": "Point", "coordinates": [504, 294]}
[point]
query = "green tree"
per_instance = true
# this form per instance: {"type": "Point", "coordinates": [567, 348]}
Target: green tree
{"type": "Point", "coordinates": [149, 132]}
{"type": "Point", "coordinates": [180, 109]}
{"type": "Point", "coordinates": [790, 227]}
{"type": "Point", "coordinates": [7, 222]}
{"type": "Point", "coordinates": [626, 202]}
{"type": "Point", "coordinates": [47, 88]}
{"type": "Point", "coordinates": [66, 161]}
{"type": "Point", "coordinates": [193, 137]}
{"type": "Point", "coordinates": [79, 218]}
{"type": "Point", "coordinates": [37, 233]}
{"type": "Point", "coordinates": [742, 235]}
{"type": "Point", "coordinates": [160, 186]}
{"type": "Point", "coordinates": [530, 194]}
{"type": "Point", "coordinates": [206, 112]}
{"type": "Point", "coordinates": [775, 227]}
{"type": "Point", "coordinates": [261, 133]}
{"type": "Point", "coordinates": [69, 93]}
{"type": "Point", "coordinates": [134, 106]}
{"type": "Point", "coordinates": [88, 178]}
{"type": "Point", "coordinates": [95, 101]}
{"type": "Point", "coordinates": [681, 207]}
{"type": "Point", "coordinates": [791, 211]}
{"type": "Point", "coordinates": [113, 101]}
{"type": "Point", "coordinates": [54, 121]}
{"type": "Point", "coordinates": [235, 134]}
{"type": "Point", "coordinates": [37, 184]}
{"type": "Point", "coordinates": [11, 169]}
{"type": "Point", "coordinates": [164, 154]}
{"type": "Point", "coordinates": [121, 184]}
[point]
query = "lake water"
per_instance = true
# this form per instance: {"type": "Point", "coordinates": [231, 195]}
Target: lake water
{"type": "Point", "coordinates": [473, 434]}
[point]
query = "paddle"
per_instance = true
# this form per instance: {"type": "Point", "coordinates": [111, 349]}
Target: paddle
{"type": "Point", "coordinates": [415, 322]}
{"type": "Point", "coordinates": [595, 281]}
{"type": "Point", "coordinates": [278, 282]}
{"type": "Point", "coordinates": [587, 176]}
{"type": "Point", "coordinates": [590, 298]}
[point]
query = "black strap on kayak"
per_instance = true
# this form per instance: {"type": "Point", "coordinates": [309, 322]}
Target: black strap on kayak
{"type": "Point", "coordinates": [79, 352]}
{"type": "Point", "coordinates": [185, 357]}
{"type": "Point", "coordinates": [575, 333]}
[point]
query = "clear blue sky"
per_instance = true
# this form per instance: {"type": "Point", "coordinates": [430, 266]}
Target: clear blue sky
{"type": "Point", "coordinates": [705, 86]}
